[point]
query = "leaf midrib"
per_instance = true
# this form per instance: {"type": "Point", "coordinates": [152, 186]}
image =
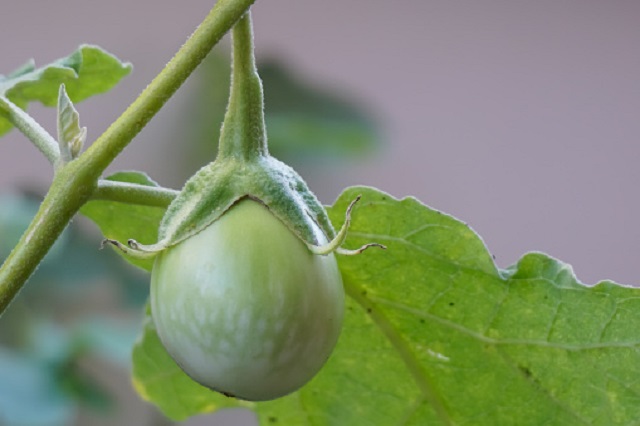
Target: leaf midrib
{"type": "Point", "coordinates": [503, 342]}
{"type": "Point", "coordinates": [422, 379]}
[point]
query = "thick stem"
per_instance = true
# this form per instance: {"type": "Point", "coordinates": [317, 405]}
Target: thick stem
{"type": "Point", "coordinates": [69, 191]}
{"type": "Point", "coordinates": [243, 133]}
{"type": "Point", "coordinates": [75, 183]}
{"type": "Point", "coordinates": [31, 129]}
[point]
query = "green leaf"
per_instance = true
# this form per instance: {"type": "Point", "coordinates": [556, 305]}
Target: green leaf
{"type": "Point", "coordinates": [122, 221]}
{"type": "Point", "coordinates": [158, 379]}
{"type": "Point", "coordinates": [306, 122]}
{"type": "Point", "coordinates": [86, 72]}
{"type": "Point", "coordinates": [436, 334]}
{"type": "Point", "coordinates": [71, 136]}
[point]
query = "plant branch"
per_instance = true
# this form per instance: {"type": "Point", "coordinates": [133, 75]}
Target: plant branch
{"type": "Point", "coordinates": [31, 129]}
{"type": "Point", "coordinates": [132, 193]}
{"type": "Point", "coordinates": [75, 183]}
{"type": "Point", "coordinates": [219, 21]}
{"type": "Point", "coordinates": [69, 191]}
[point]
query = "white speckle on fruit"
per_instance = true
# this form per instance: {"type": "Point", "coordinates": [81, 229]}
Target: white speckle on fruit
{"type": "Point", "coordinates": [201, 315]}
{"type": "Point", "coordinates": [261, 326]}
{"type": "Point", "coordinates": [244, 320]}
{"type": "Point", "coordinates": [224, 346]}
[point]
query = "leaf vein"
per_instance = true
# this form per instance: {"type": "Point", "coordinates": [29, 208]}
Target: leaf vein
{"type": "Point", "coordinates": [546, 392]}
{"type": "Point", "coordinates": [485, 339]}
{"type": "Point", "coordinates": [423, 381]}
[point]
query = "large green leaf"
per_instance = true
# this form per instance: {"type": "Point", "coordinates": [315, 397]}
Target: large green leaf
{"type": "Point", "coordinates": [122, 221]}
{"type": "Point", "coordinates": [436, 334]}
{"type": "Point", "coordinates": [86, 72]}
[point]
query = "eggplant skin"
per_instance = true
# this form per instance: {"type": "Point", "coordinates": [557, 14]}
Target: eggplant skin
{"type": "Point", "coordinates": [245, 308]}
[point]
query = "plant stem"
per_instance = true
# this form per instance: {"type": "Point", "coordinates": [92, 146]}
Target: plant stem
{"type": "Point", "coordinates": [131, 193]}
{"type": "Point", "coordinates": [31, 129]}
{"type": "Point", "coordinates": [75, 183]}
{"type": "Point", "coordinates": [70, 189]}
{"type": "Point", "coordinates": [243, 132]}
{"type": "Point", "coordinates": [220, 20]}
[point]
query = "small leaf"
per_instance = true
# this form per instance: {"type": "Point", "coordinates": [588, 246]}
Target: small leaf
{"type": "Point", "coordinates": [86, 72]}
{"type": "Point", "coordinates": [436, 334]}
{"type": "Point", "coordinates": [158, 379]}
{"type": "Point", "coordinates": [83, 388]}
{"type": "Point", "coordinates": [71, 136]}
{"type": "Point", "coordinates": [120, 221]}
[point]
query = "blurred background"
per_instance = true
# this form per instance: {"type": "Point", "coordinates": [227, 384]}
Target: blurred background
{"type": "Point", "coordinates": [519, 118]}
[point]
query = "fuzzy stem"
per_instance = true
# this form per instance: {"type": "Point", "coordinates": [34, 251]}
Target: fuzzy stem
{"type": "Point", "coordinates": [75, 183]}
{"type": "Point", "coordinates": [243, 134]}
{"type": "Point", "coordinates": [70, 189]}
{"type": "Point", "coordinates": [46, 143]}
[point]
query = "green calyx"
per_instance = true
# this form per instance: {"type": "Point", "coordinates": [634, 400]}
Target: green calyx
{"type": "Point", "coordinates": [244, 169]}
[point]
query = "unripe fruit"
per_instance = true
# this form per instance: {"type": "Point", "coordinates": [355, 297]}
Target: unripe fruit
{"type": "Point", "coordinates": [244, 307]}
{"type": "Point", "coordinates": [246, 295]}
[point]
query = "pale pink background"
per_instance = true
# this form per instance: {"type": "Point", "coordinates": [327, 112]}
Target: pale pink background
{"type": "Point", "coordinates": [519, 117]}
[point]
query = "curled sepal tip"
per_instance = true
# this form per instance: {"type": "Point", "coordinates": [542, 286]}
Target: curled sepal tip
{"type": "Point", "coordinates": [335, 245]}
{"type": "Point", "coordinates": [347, 252]}
{"type": "Point", "coordinates": [132, 248]}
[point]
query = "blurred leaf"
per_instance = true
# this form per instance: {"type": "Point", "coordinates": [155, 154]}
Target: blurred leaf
{"type": "Point", "coordinates": [42, 382]}
{"type": "Point", "coordinates": [111, 340]}
{"type": "Point", "coordinates": [201, 118]}
{"type": "Point", "coordinates": [50, 361]}
{"type": "Point", "coordinates": [83, 388]}
{"type": "Point", "coordinates": [73, 267]}
{"type": "Point", "coordinates": [306, 136]}
{"type": "Point", "coordinates": [84, 267]}
{"type": "Point", "coordinates": [436, 334]}
{"type": "Point", "coordinates": [306, 121]}
{"type": "Point", "coordinates": [48, 342]}
{"type": "Point", "coordinates": [88, 71]}
{"type": "Point", "coordinates": [121, 221]}
{"type": "Point", "coordinates": [29, 394]}
{"type": "Point", "coordinates": [16, 213]}
{"type": "Point", "coordinates": [303, 122]}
